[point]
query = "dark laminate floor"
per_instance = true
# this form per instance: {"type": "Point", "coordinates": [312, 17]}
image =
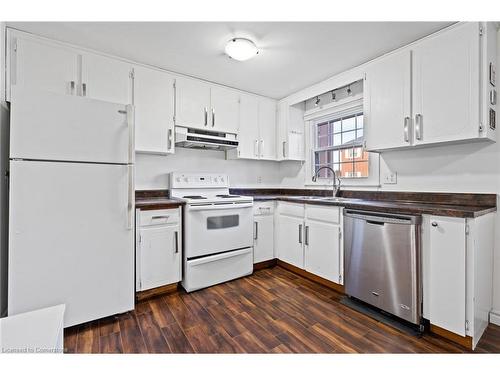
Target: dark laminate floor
{"type": "Point", "coordinates": [272, 311]}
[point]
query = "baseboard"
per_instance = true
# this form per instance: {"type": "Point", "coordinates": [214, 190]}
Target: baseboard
{"type": "Point", "coordinates": [495, 317]}
{"type": "Point", "coordinates": [265, 264]}
{"type": "Point", "coordinates": [466, 341]}
{"type": "Point", "coordinates": [299, 271]}
{"type": "Point", "coordinates": [150, 293]}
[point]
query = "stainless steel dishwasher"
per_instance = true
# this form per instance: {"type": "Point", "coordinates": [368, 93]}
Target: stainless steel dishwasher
{"type": "Point", "coordinates": [382, 261]}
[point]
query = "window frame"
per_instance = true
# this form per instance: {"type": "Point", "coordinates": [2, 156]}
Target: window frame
{"type": "Point", "coordinates": [340, 108]}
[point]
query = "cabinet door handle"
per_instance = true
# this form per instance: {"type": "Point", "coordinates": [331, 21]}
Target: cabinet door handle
{"type": "Point", "coordinates": [407, 129]}
{"type": "Point", "coordinates": [72, 87]}
{"type": "Point", "coordinates": [261, 148]}
{"type": "Point", "coordinates": [434, 224]}
{"type": "Point", "coordinates": [206, 116]}
{"type": "Point", "coordinates": [255, 148]}
{"type": "Point", "coordinates": [284, 147]}
{"type": "Point", "coordinates": [213, 117]}
{"type": "Point", "coordinates": [256, 231]}
{"type": "Point", "coordinates": [307, 235]}
{"type": "Point", "coordinates": [418, 126]}
{"type": "Point", "coordinates": [300, 233]}
{"type": "Point", "coordinates": [169, 140]}
{"type": "Point", "coordinates": [176, 240]}
{"type": "Point", "coordinates": [84, 89]}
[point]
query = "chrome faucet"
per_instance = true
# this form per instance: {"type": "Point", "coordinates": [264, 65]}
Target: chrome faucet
{"type": "Point", "coordinates": [336, 186]}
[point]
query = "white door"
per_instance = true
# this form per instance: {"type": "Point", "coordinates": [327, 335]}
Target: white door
{"type": "Point", "coordinates": [106, 79]}
{"type": "Point", "coordinates": [267, 129]}
{"type": "Point", "coordinates": [43, 66]}
{"type": "Point", "coordinates": [70, 239]}
{"type": "Point", "coordinates": [322, 250]}
{"type": "Point", "coordinates": [70, 128]}
{"type": "Point", "coordinates": [446, 273]}
{"type": "Point", "coordinates": [225, 108]}
{"type": "Point", "coordinates": [446, 86]}
{"type": "Point", "coordinates": [192, 103]}
{"type": "Point", "coordinates": [160, 256]}
{"type": "Point", "coordinates": [290, 240]}
{"type": "Point", "coordinates": [263, 243]}
{"type": "Point", "coordinates": [154, 111]}
{"type": "Point", "coordinates": [248, 133]}
{"type": "Point", "coordinates": [387, 102]}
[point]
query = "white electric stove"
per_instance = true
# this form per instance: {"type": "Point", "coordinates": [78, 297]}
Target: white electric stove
{"type": "Point", "coordinates": [218, 229]}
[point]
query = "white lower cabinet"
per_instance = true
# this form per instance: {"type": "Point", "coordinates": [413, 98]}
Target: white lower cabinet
{"type": "Point", "coordinates": [310, 237]}
{"type": "Point", "coordinates": [158, 248]}
{"type": "Point", "coordinates": [263, 237]}
{"type": "Point", "coordinates": [457, 258]}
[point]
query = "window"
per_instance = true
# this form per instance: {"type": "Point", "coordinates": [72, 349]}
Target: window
{"type": "Point", "coordinates": [338, 144]}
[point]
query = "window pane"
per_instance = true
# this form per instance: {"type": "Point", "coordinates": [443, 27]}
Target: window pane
{"type": "Point", "coordinates": [359, 121]}
{"type": "Point", "coordinates": [361, 168]}
{"type": "Point", "coordinates": [321, 157]}
{"type": "Point", "coordinates": [359, 134]}
{"type": "Point", "coordinates": [324, 141]}
{"type": "Point", "coordinates": [348, 124]}
{"type": "Point", "coordinates": [336, 156]}
{"type": "Point", "coordinates": [337, 139]}
{"type": "Point", "coordinates": [337, 126]}
{"type": "Point", "coordinates": [348, 137]}
{"type": "Point", "coordinates": [322, 129]}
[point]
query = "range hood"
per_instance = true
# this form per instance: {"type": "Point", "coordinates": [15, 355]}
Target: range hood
{"type": "Point", "coordinates": [204, 139]}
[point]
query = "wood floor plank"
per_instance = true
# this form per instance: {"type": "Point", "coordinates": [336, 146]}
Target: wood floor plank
{"type": "Point", "coordinates": [132, 339]}
{"type": "Point", "coordinates": [152, 333]}
{"type": "Point", "coordinates": [111, 343]}
{"type": "Point", "coordinates": [267, 339]}
{"type": "Point", "coordinates": [200, 341]}
{"type": "Point", "coordinates": [109, 325]}
{"type": "Point", "coordinates": [250, 343]}
{"type": "Point", "coordinates": [88, 338]}
{"type": "Point", "coordinates": [161, 312]}
{"type": "Point", "coordinates": [176, 339]}
{"type": "Point", "coordinates": [70, 337]}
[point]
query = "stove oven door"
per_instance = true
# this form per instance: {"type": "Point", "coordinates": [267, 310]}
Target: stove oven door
{"type": "Point", "coordinates": [216, 228]}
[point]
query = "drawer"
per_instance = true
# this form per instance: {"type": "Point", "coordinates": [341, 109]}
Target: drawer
{"type": "Point", "coordinates": [263, 208]}
{"type": "Point", "coordinates": [159, 217]}
{"type": "Point", "coordinates": [291, 209]}
{"type": "Point", "coordinates": [330, 214]}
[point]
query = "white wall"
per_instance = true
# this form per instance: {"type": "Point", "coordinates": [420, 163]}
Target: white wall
{"type": "Point", "coordinates": [152, 170]}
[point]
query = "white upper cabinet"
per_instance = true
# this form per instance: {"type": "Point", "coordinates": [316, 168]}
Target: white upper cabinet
{"type": "Point", "coordinates": [192, 103]}
{"type": "Point", "coordinates": [257, 128]}
{"type": "Point", "coordinates": [446, 86]}
{"type": "Point", "coordinates": [387, 102]}
{"type": "Point", "coordinates": [224, 109]}
{"type": "Point", "coordinates": [106, 79]}
{"type": "Point", "coordinates": [248, 132]}
{"type": "Point", "coordinates": [267, 129]}
{"type": "Point", "coordinates": [290, 131]}
{"type": "Point", "coordinates": [154, 111]}
{"type": "Point", "coordinates": [42, 66]}
{"type": "Point", "coordinates": [432, 91]}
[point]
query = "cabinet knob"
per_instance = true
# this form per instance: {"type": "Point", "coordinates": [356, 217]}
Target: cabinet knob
{"type": "Point", "coordinates": [434, 224]}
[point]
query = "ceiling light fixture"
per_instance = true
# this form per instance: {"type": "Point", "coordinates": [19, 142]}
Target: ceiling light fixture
{"type": "Point", "coordinates": [334, 96]}
{"type": "Point", "coordinates": [317, 101]}
{"type": "Point", "coordinates": [241, 49]}
{"type": "Point", "coordinates": [349, 91]}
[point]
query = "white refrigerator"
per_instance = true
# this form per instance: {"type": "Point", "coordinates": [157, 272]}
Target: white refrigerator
{"type": "Point", "coordinates": [71, 203]}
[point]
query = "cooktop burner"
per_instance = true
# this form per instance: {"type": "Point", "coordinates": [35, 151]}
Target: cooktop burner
{"type": "Point", "coordinates": [194, 197]}
{"type": "Point", "coordinates": [227, 196]}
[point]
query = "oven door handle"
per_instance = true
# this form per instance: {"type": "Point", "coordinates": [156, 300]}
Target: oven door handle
{"type": "Point", "coordinates": [210, 207]}
{"type": "Point", "coordinates": [214, 258]}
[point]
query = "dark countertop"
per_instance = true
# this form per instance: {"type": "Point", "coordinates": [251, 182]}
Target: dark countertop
{"type": "Point", "coordinates": [155, 200]}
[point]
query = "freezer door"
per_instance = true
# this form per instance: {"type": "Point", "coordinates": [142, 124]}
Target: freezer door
{"type": "Point", "coordinates": [70, 239]}
{"type": "Point", "coordinates": [47, 126]}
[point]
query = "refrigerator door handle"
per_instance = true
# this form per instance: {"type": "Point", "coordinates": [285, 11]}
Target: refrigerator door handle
{"type": "Point", "coordinates": [130, 197]}
{"type": "Point", "coordinates": [131, 132]}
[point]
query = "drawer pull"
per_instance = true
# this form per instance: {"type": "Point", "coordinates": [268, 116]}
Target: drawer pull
{"type": "Point", "coordinates": [176, 236]}
{"type": "Point", "coordinates": [159, 217]}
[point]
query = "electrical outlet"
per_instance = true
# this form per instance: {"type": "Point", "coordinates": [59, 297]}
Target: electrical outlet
{"type": "Point", "coordinates": [391, 178]}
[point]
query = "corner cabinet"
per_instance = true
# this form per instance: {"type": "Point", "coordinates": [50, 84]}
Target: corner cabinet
{"type": "Point", "coordinates": [154, 111]}
{"type": "Point", "coordinates": [457, 271]}
{"type": "Point", "coordinates": [310, 237]}
{"type": "Point", "coordinates": [434, 91]}
{"type": "Point", "coordinates": [158, 248]}
{"type": "Point", "coordinates": [290, 136]}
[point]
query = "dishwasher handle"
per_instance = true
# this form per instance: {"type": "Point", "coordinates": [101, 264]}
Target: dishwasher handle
{"type": "Point", "coordinates": [380, 218]}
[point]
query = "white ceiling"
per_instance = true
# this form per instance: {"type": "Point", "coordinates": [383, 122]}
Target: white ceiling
{"type": "Point", "coordinates": [293, 55]}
